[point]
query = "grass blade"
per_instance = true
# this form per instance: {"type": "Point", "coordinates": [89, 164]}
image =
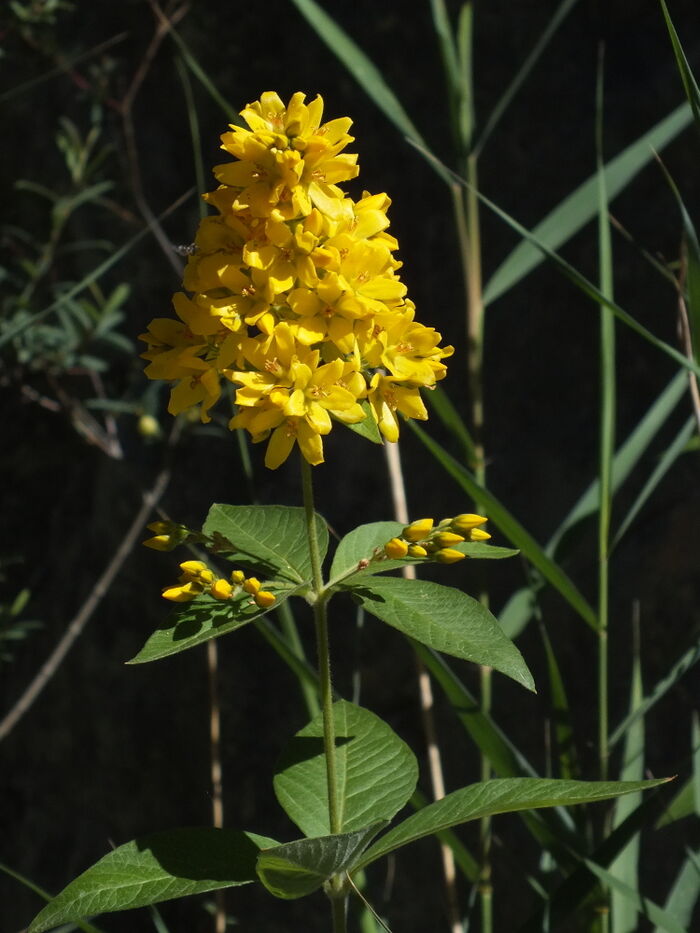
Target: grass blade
{"type": "Point", "coordinates": [581, 205]}
{"type": "Point", "coordinates": [692, 92]}
{"type": "Point", "coordinates": [625, 866]}
{"type": "Point", "coordinates": [638, 904]}
{"type": "Point", "coordinates": [681, 667]}
{"type": "Point", "coordinates": [362, 69]}
{"type": "Point", "coordinates": [510, 527]}
{"type": "Point", "coordinates": [673, 452]}
{"type": "Point", "coordinates": [522, 73]}
{"type": "Point", "coordinates": [95, 274]}
{"type": "Point", "coordinates": [683, 896]}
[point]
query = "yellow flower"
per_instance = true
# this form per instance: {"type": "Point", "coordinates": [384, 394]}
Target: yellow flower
{"type": "Point", "coordinates": [476, 534]}
{"type": "Point", "coordinates": [264, 599]}
{"type": "Point", "coordinates": [294, 293]}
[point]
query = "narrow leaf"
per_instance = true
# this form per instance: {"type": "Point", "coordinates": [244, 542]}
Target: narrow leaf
{"type": "Point", "coordinates": [269, 536]}
{"type": "Point", "coordinates": [683, 897]}
{"type": "Point", "coordinates": [488, 798]}
{"type": "Point", "coordinates": [581, 205]}
{"type": "Point", "coordinates": [640, 905]}
{"type": "Point", "coordinates": [445, 619]}
{"type": "Point", "coordinates": [156, 868]}
{"type": "Point", "coordinates": [690, 86]}
{"type": "Point", "coordinates": [376, 772]}
{"type": "Point", "coordinates": [300, 868]}
{"type": "Point", "coordinates": [510, 527]}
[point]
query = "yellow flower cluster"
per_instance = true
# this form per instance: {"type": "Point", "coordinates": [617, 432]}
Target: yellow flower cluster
{"type": "Point", "coordinates": [425, 539]}
{"type": "Point", "coordinates": [293, 293]}
{"type": "Point", "coordinates": [196, 578]}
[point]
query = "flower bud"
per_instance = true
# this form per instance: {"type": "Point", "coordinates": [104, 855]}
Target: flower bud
{"type": "Point", "coordinates": [161, 543]}
{"type": "Point", "coordinates": [237, 577]}
{"type": "Point", "coordinates": [264, 599]}
{"type": "Point", "coordinates": [182, 594]}
{"type": "Point", "coordinates": [221, 589]}
{"type": "Point", "coordinates": [251, 585]}
{"type": "Point", "coordinates": [415, 550]}
{"type": "Point", "coordinates": [448, 555]}
{"type": "Point", "coordinates": [467, 521]}
{"type": "Point", "coordinates": [476, 534]}
{"type": "Point", "coordinates": [396, 548]}
{"type": "Point", "coordinates": [447, 538]}
{"type": "Point", "coordinates": [416, 531]}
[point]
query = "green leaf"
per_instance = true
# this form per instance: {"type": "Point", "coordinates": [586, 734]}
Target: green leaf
{"type": "Point", "coordinates": [625, 868]}
{"type": "Point", "coordinates": [376, 772]}
{"type": "Point", "coordinates": [639, 905]}
{"type": "Point", "coordinates": [268, 536]}
{"type": "Point", "coordinates": [510, 527]}
{"type": "Point", "coordinates": [202, 619]}
{"type": "Point", "coordinates": [581, 206]}
{"type": "Point", "coordinates": [690, 86]}
{"type": "Point", "coordinates": [502, 795]}
{"type": "Point", "coordinates": [300, 868]}
{"type": "Point", "coordinates": [445, 619]}
{"type": "Point", "coordinates": [683, 896]}
{"type": "Point", "coordinates": [682, 805]}
{"type": "Point", "coordinates": [358, 64]}
{"type": "Point", "coordinates": [156, 868]}
{"type": "Point", "coordinates": [367, 428]}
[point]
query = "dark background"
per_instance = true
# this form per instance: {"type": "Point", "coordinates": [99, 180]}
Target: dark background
{"type": "Point", "coordinates": [109, 752]}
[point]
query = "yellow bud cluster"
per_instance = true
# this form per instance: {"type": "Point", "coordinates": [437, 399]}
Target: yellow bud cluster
{"type": "Point", "coordinates": [423, 538]}
{"type": "Point", "coordinates": [196, 578]}
{"type": "Point", "coordinates": [167, 535]}
{"type": "Point", "coordinates": [293, 293]}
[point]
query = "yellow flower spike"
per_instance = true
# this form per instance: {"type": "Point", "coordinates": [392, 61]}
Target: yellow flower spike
{"type": "Point", "coordinates": [466, 522]}
{"type": "Point", "coordinates": [264, 599]}
{"type": "Point", "coordinates": [252, 585]}
{"type": "Point", "coordinates": [237, 577]}
{"type": "Point", "coordinates": [476, 534]}
{"type": "Point", "coordinates": [418, 530]}
{"type": "Point", "coordinates": [447, 538]}
{"type": "Point", "coordinates": [221, 589]}
{"type": "Point", "coordinates": [448, 555]}
{"type": "Point", "coordinates": [415, 550]}
{"type": "Point", "coordinates": [396, 548]}
{"type": "Point", "coordinates": [182, 594]}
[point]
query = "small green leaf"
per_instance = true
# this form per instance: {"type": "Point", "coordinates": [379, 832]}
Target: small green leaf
{"type": "Point", "coordinates": [367, 428]}
{"type": "Point", "coordinates": [269, 536]}
{"type": "Point", "coordinates": [202, 619]}
{"type": "Point", "coordinates": [300, 868]}
{"type": "Point", "coordinates": [376, 772]}
{"type": "Point", "coordinates": [502, 795]}
{"type": "Point", "coordinates": [156, 868]}
{"type": "Point", "coordinates": [445, 619]}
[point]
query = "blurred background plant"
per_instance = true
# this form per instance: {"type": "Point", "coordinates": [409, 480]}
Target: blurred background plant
{"type": "Point", "coordinates": [565, 428]}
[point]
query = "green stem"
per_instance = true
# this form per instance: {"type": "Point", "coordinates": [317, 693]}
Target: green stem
{"type": "Point", "coordinates": [319, 598]}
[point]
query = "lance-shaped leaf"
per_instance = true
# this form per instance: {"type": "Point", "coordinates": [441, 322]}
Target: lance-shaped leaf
{"type": "Point", "coordinates": [360, 545]}
{"type": "Point", "coordinates": [300, 868]}
{"type": "Point", "coordinates": [202, 619]}
{"type": "Point", "coordinates": [445, 619]}
{"type": "Point", "coordinates": [272, 537]}
{"type": "Point", "coordinates": [503, 795]}
{"type": "Point", "coordinates": [156, 868]}
{"type": "Point", "coordinates": [376, 772]}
